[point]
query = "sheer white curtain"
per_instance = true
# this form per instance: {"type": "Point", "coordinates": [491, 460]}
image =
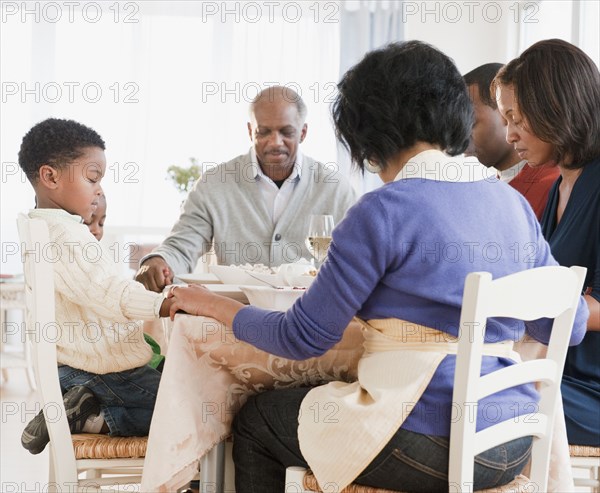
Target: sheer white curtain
{"type": "Point", "coordinates": [366, 25]}
{"type": "Point", "coordinates": [161, 82]}
{"type": "Point", "coordinates": [164, 81]}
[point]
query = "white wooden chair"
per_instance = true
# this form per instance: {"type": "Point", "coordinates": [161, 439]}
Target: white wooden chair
{"type": "Point", "coordinates": [584, 458]}
{"type": "Point", "coordinates": [97, 456]}
{"type": "Point", "coordinates": [551, 292]}
{"type": "Point", "coordinates": [12, 297]}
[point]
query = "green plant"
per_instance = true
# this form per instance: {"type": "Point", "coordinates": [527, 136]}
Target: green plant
{"type": "Point", "coordinates": [184, 177]}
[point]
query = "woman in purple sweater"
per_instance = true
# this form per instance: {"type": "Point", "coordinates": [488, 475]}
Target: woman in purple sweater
{"type": "Point", "coordinates": [397, 261]}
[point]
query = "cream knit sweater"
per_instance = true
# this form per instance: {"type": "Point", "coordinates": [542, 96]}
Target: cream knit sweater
{"type": "Point", "coordinates": [97, 309]}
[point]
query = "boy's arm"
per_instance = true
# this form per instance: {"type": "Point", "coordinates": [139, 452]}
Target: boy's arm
{"type": "Point", "coordinates": [85, 276]}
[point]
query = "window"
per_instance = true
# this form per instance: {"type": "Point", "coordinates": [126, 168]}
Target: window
{"type": "Point", "coordinates": [175, 83]}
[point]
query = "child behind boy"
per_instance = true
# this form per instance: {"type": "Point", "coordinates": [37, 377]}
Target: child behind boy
{"type": "Point", "coordinates": [96, 222]}
{"type": "Point", "coordinates": [102, 355]}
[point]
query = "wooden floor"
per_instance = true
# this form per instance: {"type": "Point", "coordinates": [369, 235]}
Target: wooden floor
{"type": "Point", "coordinates": [19, 470]}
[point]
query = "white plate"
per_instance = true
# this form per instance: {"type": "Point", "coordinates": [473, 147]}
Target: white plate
{"type": "Point", "coordinates": [204, 278]}
{"type": "Point", "coordinates": [229, 290]}
{"type": "Point", "coordinates": [272, 298]}
{"type": "Point", "coordinates": [271, 279]}
{"type": "Point", "coordinates": [229, 274]}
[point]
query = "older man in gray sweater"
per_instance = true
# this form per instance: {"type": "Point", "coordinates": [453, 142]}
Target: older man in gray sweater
{"type": "Point", "coordinates": [254, 208]}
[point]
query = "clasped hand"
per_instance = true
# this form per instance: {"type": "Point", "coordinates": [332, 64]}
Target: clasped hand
{"type": "Point", "coordinates": [191, 299]}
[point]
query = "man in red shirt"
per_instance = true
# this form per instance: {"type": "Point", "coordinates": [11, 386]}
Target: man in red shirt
{"type": "Point", "coordinates": [489, 146]}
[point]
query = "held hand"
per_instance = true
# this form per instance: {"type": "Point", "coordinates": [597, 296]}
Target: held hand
{"type": "Point", "coordinates": [168, 275]}
{"type": "Point", "coordinates": [166, 307]}
{"type": "Point", "coordinates": [154, 274]}
{"type": "Point", "coordinates": [193, 299]}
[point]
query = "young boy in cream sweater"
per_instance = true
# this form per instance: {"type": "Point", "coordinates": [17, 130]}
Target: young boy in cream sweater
{"type": "Point", "coordinates": [103, 358]}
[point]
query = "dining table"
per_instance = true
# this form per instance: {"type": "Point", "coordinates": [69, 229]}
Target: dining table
{"type": "Point", "coordinates": [209, 374]}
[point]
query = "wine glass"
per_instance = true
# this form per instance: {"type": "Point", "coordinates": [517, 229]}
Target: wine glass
{"type": "Point", "coordinates": [319, 236]}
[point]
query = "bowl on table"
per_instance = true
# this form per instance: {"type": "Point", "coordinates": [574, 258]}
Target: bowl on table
{"type": "Point", "coordinates": [278, 299]}
{"type": "Point", "coordinates": [294, 274]}
{"type": "Point", "coordinates": [303, 281]}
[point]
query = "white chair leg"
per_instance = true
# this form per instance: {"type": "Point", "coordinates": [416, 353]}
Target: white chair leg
{"type": "Point", "coordinates": [52, 485]}
{"type": "Point", "coordinates": [31, 379]}
{"type": "Point", "coordinates": [294, 480]}
{"type": "Point", "coordinates": [29, 367]}
{"type": "Point", "coordinates": [212, 470]}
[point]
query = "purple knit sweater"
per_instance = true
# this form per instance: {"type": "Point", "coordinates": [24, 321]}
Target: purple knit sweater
{"type": "Point", "coordinates": [404, 251]}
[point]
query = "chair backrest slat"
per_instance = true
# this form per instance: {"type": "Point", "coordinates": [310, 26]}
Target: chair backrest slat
{"type": "Point", "coordinates": [539, 370]}
{"type": "Point", "coordinates": [527, 424]}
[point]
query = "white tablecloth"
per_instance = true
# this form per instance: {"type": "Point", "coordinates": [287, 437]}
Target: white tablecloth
{"type": "Point", "coordinates": [208, 376]}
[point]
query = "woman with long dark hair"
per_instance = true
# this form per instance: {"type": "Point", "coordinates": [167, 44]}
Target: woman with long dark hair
{"type": "Point", "coordinates": [550, 97]}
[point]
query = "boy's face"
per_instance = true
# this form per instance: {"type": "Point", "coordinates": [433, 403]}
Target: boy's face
{"type": "Point", "coordinates": [78, 187]}
{"type": "Point", "coordinates": [96, 223]}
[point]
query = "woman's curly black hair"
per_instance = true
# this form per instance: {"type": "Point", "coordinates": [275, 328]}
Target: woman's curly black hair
{"type": "Point", "coordinates": [55, 142]}
{"type": "Point", "coordinates": [399, 95]}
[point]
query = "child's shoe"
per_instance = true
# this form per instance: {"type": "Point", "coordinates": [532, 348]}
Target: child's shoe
{"type": "Point", "coordinates": [80, 404]}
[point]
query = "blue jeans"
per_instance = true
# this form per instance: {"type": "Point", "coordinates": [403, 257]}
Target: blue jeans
{"type": "Point", "coordinates": [265, 442]}
{"type": "Point", "coordinates": [126, 398]}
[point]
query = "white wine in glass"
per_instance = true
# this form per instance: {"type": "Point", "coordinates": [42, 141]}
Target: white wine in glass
{"type": "Point", "coordinates": [319, 235]}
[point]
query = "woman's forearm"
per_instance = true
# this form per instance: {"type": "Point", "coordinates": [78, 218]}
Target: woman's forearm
{"type": "Point", "coordinates": [224, 309]}
{"type": "Point", "coordinates": [594, 320]}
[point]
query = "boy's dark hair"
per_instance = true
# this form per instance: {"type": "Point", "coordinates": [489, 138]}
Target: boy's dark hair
{"type": "Point", "coordinates": [398, 95]}
{"type": "Point", "coordinates": [483, 76]}
{"type": "Point", "coordinates": [557, 90]}
{"type": "Point", "coordinates": [55, 142]}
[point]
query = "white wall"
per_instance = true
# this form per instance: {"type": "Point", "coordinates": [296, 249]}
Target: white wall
{"type": "Point", "coordinates": [472, 33]}
{"type": "Point", "coordinates": [478, 32]}
{"type": "Point", "coordinates": [181, 124]}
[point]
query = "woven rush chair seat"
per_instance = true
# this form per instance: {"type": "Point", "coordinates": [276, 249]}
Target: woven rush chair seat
{"type": "Point", "coordinates": [520, 484]}
{"type": "Point", "coordinates": [96, 446]}
{"type": "Point", "coordinates": [583, 451]}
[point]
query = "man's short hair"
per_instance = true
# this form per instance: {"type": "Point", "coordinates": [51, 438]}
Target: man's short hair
{"type": "Point", "coordinates": [55, 142]}
{"type": "Point", "coordinates": [483, 76]}
{"type": "Point", "coordinates": [283, 92]}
